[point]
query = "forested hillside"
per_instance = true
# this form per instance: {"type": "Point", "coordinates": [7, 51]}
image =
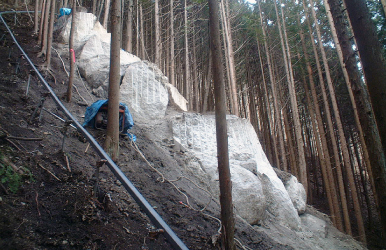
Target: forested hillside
{"type": "Point", "coordinates": [308, 74]}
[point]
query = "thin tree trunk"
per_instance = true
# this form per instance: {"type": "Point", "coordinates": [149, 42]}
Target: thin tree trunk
{"type": "Point", "coordinates": [36, 17]}
{"type": "Point", "coordinates": [138, 31]}
{"type": "Point", "coordinates": [94, 3]}
{"type": "Point", "coordinates": [50, 34]}
{"type": "Point", "coordinates": [187, 82]}
{"type": "Point", "coordinates": [227, 216]}
{"type": "Point", "coordinates": [270, 126]}
{"type": "Point", "coordinates": [195, 99]}
{"type": "Point", "coordinates": [100, 8]}
{"type": "Point", "coordinates": [331, 133]}
{"type": "Point", "coordinates": [71, 52]}
{"type": "Point", "coordinates": [112, 134]}
{"type": "Point", "coordinates": [171, 71]}
{"type": "Point", "coordinates": [142, 35]}
{"type": "Point", "coordinates": [231, 60]}
{"type": "Point", "coordinates": [43, 9]}
{"type": "Point", "coordinates": [207, 84]}
{"type": "Point", "coordinates": [274, 95]}
{"type": "Point", "coordinates": [157, 56]}
{"type": "Point", "coordinates": [106, 14]}
{"type": "Point", "coordinates": [129, 28]}
{"type": "Point", "coordinates": [45, 29]}
{"type": "Point", "coordinates": [293, 100]}
{"type": "Point", "coordinates": [346, 157]}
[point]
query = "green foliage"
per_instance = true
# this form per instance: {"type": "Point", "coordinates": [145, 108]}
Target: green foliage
{"type": "Point", "coordinates": [10, 177]}
{"type": "Point", "coordinates": [13, 179]}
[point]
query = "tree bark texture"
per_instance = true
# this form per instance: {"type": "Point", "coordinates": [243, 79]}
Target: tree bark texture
{"type": "Point", "coordinates": [112, 135]}
{"type": "Point", "coordinates": [221, 130]}
{"type": "Point", "coordinates": [71, 52]}
{"type": "Point", "coordinates": [49, 35]}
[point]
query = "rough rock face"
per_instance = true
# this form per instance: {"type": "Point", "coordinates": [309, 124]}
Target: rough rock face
{"type": "Point", "coordinates": [297, 194]}
{"type": "Point", "coordinates": [84, 25]}
{"type": "Point", "coordinates": [94, 62]}
{"type": "Point", "coordinates": [256, 187]}
{"type": "Point", "coordinates": [147, 98]}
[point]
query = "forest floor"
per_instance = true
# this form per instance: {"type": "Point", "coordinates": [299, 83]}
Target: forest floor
{"type": "Point", "coordinates": [51, 203]}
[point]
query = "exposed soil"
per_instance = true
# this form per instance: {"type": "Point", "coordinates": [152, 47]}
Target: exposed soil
{"type": "Point", "coordinates": [56, 206]}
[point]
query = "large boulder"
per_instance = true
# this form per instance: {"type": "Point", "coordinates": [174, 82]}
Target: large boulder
{"type": "Point", "coordinates": [175, 98]}
{"type": "Point", "coordinates": [297, 194]}
{"type": "Point", "coordinates": [248, 195]}
{"type": "Point", "coordinates": [146, 97]}
{"type": "Point", "coordinates": [295, 190]}
{"type": "Point", "coordinates": [256, 187]}
{"type": "Point", "coordinates": [84, 25]}
{"type": "Point", "coordinates": [94, 62]}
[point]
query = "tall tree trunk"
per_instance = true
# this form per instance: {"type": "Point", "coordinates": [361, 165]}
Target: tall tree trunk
{"type": "Point", "coordinates": [275, 96]}
{"type": "Point", "coordinates": [293, 100]}
{"type": "Point", "coordinates": [106, 14]}
{"type": "Point", "coordinates": [207, 84]}
{"type": "Point", "coordinates": [36, 17]}
{"type": "Point", "coordinates": [374, 69]}
{"type": "Point", "coordinates": [270, 127]}
{"type": "Point", "coordinates": [196, 97]}
{"type": "Point", "coordinates": [346, 156]}
{"type": "Point", "coordinates": [231, 59]}
{"type": "Point", "coordinates": [49, 35]}
{"type": "Point", "coordinates": [71, 52]}
{"type": "Point", "coordinates": [112, 134]}
{"type": "Point", "coordinates": [94, 5]}
{"type": "Point", "coordinates": [227, 216]}
{"type": "Point", "coordinates": [330, 131]}
{"type": "Point", "coordinates": [157, 29]}
{"type": "Point", "coordinates": [171, 71]}
{"type": "Point", "coordinates": [137, 30]}
{"type": "Point", "coordinates": [45, 29]}
{"type": "Point", "coordinates": [187, 82]}
{"type": "Point", "coordinates": [142, 34]}
{"type": "Point", "coordinates": [129, 28]}
{"type": "Point", "coordinates": [43, 9]}
{"type": "Point", "coordinates": [100, 8]}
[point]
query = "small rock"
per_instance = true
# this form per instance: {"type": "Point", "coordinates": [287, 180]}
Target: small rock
{"type": "Point", "coordinates": [65, 242]}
